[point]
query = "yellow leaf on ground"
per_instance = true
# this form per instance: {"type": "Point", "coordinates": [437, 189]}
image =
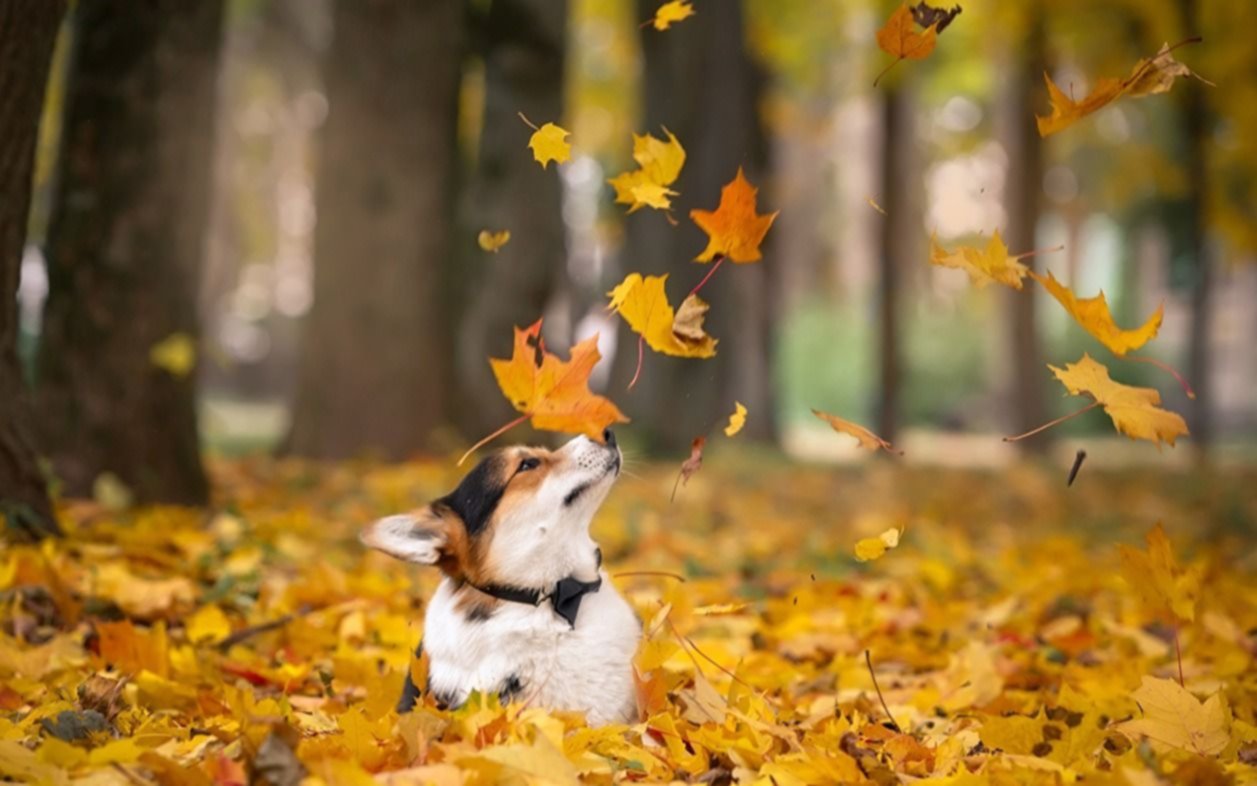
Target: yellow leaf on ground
{"type": "Point", "coordinates": [899, 37]}
{"type": "Point", "coordinates": [1094, 316]}
{"type": "Point", "coordinates": [866, 438]}
{"type": "Point", "coordinates": [549, 143]}
{"type": "Point", "coordinates": [175, 354]}
{"type": "Point", "coordinates": [1175, 718]}
{"type": "Point", "coordinates": [643, 302]}
{"type": "Point", "coordinates": [209, 623]}
{"type": "Point", "coordinates": [1156, 576]}
{"type": "Point", "coordinates": [555, 394]}
{"type": "Point", "coordinates": [492, 241]}
{"type": "Point", "coordinates": [1134, 411]}
{"type": "Point", "coordinates": [670, 12]}
{"type": "Point", "coordinates": [867, 549]}
{"type": "Point", "coordinates": [986, 266]}
{"type": "Point", "coordinates": [1150, 76]}
{"type": "Point", "coordinates": [734, 229]}
{"type": "Point", "coordinates": [737, 420]}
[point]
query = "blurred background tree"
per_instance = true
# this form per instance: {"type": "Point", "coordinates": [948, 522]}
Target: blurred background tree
{"type": "Point", "coordinates": [362, 146]}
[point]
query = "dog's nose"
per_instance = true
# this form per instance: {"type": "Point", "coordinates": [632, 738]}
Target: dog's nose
{"type": "Point", "coordinates": [608, 437]}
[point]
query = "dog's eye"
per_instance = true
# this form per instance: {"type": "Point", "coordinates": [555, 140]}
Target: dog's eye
{"type": "Point", "coordinates": [529, 463]}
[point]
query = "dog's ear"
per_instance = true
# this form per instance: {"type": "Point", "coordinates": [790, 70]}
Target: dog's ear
{"type": "Point", "coordinates": [430, 536]}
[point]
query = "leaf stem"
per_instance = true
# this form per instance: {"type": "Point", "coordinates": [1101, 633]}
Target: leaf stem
{"type": "Point", "coordinates": [527, 122]}
{"type": "Point", "coordinates": [1178, 650]}
{"type": "Point", "coordinates": [868, 660]}
{"type": "Point", "coordinates": [641, 353]}
{"type": "Point", "coordinates": [878, 78]}
{"type": "Point", "coordinates": [1052, 423]}
{"type": "Point", "coordinates": [1182, 381]}
{"type": "Point", "coordinates": [1037, 251]}
{"type": "Point", "coordinates": [493, 436]}
{"type": "Point", "coordinates": [719, 261]}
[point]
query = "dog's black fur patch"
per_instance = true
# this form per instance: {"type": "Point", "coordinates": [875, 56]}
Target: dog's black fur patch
{"type": "Point", "coordinates": [479, 614]}
{"type": "Point", "coordinates": [478, 495]}
{"type": "Point", "coordinates": [575, 493]}
{"type": "Point", "coordinates": [410, 691]}
{"type": "Point", "coordinates": [511, 688]}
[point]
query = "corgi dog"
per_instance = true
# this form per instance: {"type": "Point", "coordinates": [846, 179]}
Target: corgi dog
{"type": "Point", "coordinates": [524, 609]}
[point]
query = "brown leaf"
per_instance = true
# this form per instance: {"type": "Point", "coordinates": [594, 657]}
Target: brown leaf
{"type": "Point", "coordinates": [691, 465]}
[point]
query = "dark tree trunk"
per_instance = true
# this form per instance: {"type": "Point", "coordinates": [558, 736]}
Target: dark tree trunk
{"type": "Point", "coordinates": [28, 30]}
{"type": "Point", "coordinates": [522, 43]}
{"type": "Point", "coordinates": [125, 243]}
{"type": "Point", "coordinates": [1199, 367]}
{"type": "Point", "coordinates": [1021, 94]}
{"type": "Point", "coordinates": [702, 85]}
{"type": "Point", "coordinates": [895, 245]}
{"type": "Point", "coordinates": [376, 348]}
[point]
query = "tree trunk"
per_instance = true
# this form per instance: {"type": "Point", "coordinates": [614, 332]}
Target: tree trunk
{"type": "Point", "coordinates": [701, 84]}
{"type": "Point", "coordinates": [28, 30]}
{"type": "Point", "coordinates": [1021, 93]}
{"type": "Point", "coordinates": [1199, 367]}
{"type": "Point", "coordinates": [376, 349]}
{"type": "Point", "coordinates": [522, 43]}
{"type": "Point", "coordinates": [897, 229]}
{"type": "Point", "coordinates": [125, 243]}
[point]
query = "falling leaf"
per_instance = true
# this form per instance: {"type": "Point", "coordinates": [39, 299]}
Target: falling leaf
{"type": "Point", "coordinates": [1135, 411]}
{"type": "Point", "coordinates": [899, 37]}
{"type": "Point", "coordinates": [111, 493]}
{"type": "Point", "coordinates": [734, 229]}
{"type": "Point", "coordinates": [737, 420]}
{"type": "Point", "coordinates": [876, 206]}
{"type": "Point", "coordinates": [670, 12]}
{"type": "Point", "coordinates": [175, 353]}
{"type": "Point", "coordinates": [928, 16]}
{"type": "Point", "coordinates": [990, 265]}
{"type": "Point", "coordinates": [1175, 718]}
{"type": "Point", "coordinates": [867, 549]}
{"type": "Point", "coordinates": [492, 241]}
{"type": "Point", "coordinates": [1149, 77]}
{"type": "Point", "coordinates": [1155, 574]}
{"type": "Point", "coordinates": [548, 144]}
{"type": "Point", "coordinates": [691, 465]}
{"type": "Point", "coordinates": [554, 394]}
{"type": "Point", "coordinates": [643, 303]}
{"type": "Point", "coordinates": [1094, 316]}
{"type": "Point", "coordinates": [866, 438]}
{"type": "Point", "coordinates": [659, 165]}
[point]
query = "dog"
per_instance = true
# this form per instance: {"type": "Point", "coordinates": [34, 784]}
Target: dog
{"type": "Point", "coordinates": [524, 610]}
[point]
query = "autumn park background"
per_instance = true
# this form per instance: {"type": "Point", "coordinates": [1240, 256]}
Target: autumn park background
{"type": "Point", "coordinates": [251, 286]}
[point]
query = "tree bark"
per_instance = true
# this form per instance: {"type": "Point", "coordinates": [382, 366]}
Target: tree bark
{"type": "Point", "coordinates": [1021, 93]}
{"type": "Point", "coordinates": [702, 85]}
{"type": "Point", "coordinates": [125, 243]}
{"type": "Point", "coordinates": [1199, 365]}
{"type": "Point", "coordinates": [376, 350]}
{"type": "Point", "coordinates": [522, 43]}
{"type": "Point", "coordinates": [28, 31]}
{"type": "Point", "coordinates": [897, 229]}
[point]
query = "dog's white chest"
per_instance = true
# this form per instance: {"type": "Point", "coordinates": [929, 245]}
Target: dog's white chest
{"type": "Point", "coordinates": [531, 652]}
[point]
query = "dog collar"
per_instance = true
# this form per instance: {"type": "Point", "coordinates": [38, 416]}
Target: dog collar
{"type": "Point", "coordinates": [565, 596]}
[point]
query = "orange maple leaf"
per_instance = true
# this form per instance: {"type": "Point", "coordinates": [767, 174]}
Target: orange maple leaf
{"type": "Point", "coordinates": [553, 394]}
{"type": "Point", "coordinates": [867, 439]}
{"type": "Point", "coordinates": [899, 37]}
{"type": "Point", "coordinates": [734, 229]}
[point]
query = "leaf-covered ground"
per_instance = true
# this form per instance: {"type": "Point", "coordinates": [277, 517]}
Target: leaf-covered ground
{"type": "Point", "coordinates": [261, 640]}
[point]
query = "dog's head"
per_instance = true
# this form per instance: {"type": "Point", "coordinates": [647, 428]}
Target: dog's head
{"type": "Point", "coordinates": [519, 517]}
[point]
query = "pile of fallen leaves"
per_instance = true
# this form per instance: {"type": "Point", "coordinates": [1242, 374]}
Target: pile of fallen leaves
{"type": "Point", "coordinates": [1018, 631]}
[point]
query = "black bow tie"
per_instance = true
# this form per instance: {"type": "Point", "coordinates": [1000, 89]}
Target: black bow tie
{"type": "Point", "coordinates": [565, 596]}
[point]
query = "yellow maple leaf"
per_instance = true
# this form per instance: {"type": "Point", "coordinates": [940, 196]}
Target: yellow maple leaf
{"type": "Point", "coordinates": [990, 265]}
{"type": "Point", "coordinates": [734, 229]}
{"type": "Point", "coordinates": [554, 394]}
{"type": "Point", "coordinates": [674, 11]}
{"type": "Point", "coordinates": [1094, 316]}
{"type": "Point", "coordinates": [1135, 411]}
{"type": "Point", "coordinates": [1150, 76]}
{"type": "Point", "coordinates": [659, 164]}
{"type": "Point", "coordinates": [1156, 576]}
{"type": "Point", "coordinates": [737, 420]}
{"type": "Point", "coordinates": [175, 353]}
{"type": "Point", "coordinates": [549, 143]}
{"type": "Point", "coordinates": [899, 37]}
{"type": "Point", "coordinates": [867, 549]}
{"type": "Point", "coordinates": [1175, 718]}
{"type": "Point", "coordinates": [643, 303]}
{"type": "Point", "coordinates": [492, 241]}
{"type": "Point", "coordinates": [209, 623]}
{"type": "Point", "coordinates": [867, 439]}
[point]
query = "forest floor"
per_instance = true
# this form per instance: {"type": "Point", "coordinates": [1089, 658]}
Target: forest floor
{"type": "Point", "coordinates": [260, 640]}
